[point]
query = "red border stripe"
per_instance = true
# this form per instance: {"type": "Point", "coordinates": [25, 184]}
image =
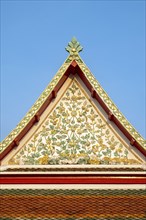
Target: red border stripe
{"type": "Point", "coordinates": [71, 180]}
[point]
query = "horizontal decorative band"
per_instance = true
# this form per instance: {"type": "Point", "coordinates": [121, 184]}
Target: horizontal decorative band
{"type": "Point", "coordinates": [71, 180]}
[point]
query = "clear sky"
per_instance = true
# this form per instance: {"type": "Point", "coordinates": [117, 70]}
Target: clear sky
{"type": "Point", "coordinates": [35, 33]}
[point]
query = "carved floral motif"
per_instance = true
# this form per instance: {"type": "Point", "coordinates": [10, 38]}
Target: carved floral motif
{"type": "Point", "coordinates": [95, 84]}
{"type": "Point", "coordinates": [74, 133]}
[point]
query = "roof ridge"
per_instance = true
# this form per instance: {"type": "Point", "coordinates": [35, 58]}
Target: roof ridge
{"type": "Point", "coordinates": [110, 103]}
{"type": "Point", "coordinates": [33, 110]}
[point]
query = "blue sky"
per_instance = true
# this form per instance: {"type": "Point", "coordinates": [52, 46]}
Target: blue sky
{"type": "Point", "coordinates": [35, 33]}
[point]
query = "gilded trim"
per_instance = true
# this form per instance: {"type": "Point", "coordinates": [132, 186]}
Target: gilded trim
{"type": "Point", "coordinates": [11, 137]}
{"type": "Point", "coordinates": [110, 104]}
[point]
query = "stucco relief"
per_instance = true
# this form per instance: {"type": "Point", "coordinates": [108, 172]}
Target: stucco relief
{"type": "Point", "coordinates": [74, 133]}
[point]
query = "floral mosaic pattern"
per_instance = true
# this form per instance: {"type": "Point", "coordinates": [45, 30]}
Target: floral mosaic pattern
{"type": "Point", "coordinates": [74, 133]}
{"type": "Point", "coordinates": [106, 99]}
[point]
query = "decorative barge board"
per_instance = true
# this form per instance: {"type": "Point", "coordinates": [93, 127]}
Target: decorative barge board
{"type": "Point", "coordinates": [74, 155]}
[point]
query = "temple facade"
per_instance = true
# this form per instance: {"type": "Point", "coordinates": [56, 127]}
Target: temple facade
{"type": "Point", "coordinates": [74, 155]}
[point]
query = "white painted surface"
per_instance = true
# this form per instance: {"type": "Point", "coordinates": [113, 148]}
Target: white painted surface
{"type": "Point", "coordinates": [74, 186]}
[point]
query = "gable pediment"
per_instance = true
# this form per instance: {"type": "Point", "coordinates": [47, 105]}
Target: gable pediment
{"type": "Point", "coordinates": [74, 122]}
{"type": "Point", "coordinates": [74, 131]}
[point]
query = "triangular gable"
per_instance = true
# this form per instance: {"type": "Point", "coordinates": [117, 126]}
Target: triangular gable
{"type": "Point", "coordinates": [103, 137]}
{"type": "Point", "coordinates": [74, 132]}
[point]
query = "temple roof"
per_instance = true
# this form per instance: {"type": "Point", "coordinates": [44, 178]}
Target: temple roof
{"type": "Point", "coordinates": [74, 155]}
{"type": "Point", "coordinates": [57, 204]}
{"type": "Point", "coordinates": [75, 70]}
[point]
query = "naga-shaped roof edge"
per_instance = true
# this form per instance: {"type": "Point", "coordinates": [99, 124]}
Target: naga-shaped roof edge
{"type": "Point", "coordinates": [73, 48]}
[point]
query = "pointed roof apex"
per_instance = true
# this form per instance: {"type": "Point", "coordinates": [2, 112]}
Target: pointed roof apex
{"type": "Point", "coordinates": [74, 46]}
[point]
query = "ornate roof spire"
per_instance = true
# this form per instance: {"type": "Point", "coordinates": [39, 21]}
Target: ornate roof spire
{"type": "Point", "coordinates": [74, 46]}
